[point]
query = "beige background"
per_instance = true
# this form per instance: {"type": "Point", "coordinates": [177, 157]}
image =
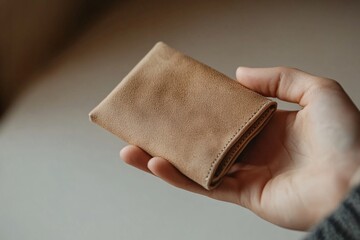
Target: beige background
{"type": "Point", "coordinates": [32, 32]}
{"type": "Point", "coordinates": [61, 177]}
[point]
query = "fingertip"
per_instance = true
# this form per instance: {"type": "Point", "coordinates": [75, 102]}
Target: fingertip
{"type": "Point", "coordinates": [241, 68]}
{"type": "Point", "coordinates": [135, 156]}
{"type": "Point", "coordinates": [150, 164]}
{"type": "Point", "coordinates": [246, 77]}
{"type": "Point", "coordinates": [156, 164]}
{"type": "Point", "coordinates": [240, 72]}
{"type": "Point", "coordinates": [126, 153]}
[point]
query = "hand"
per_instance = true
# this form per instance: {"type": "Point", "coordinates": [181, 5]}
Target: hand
{"type": "Point", "coordinates": [299, 168]}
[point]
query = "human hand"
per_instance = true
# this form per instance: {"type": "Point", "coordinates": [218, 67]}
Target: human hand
{"type": "Point", "coordinates": [299, 168]}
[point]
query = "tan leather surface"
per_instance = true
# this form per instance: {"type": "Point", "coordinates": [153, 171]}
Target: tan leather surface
{"type": "Point", "coordinates": [172, 106]}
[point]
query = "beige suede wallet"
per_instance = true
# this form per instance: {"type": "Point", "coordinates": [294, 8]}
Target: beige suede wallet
{"type": "Point", "coordinates": [175, 107]}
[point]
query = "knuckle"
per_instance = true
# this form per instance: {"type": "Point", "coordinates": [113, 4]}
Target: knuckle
{"type": "Point", "coordinates": [333, 83]}
{"type": "Point", "coordinates": [325, 83]}
{"type": "Point", "coordinates": [287, 72]}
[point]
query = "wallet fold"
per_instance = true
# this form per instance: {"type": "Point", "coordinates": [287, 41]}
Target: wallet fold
{"type": "Point", "coordinates": [175, 107]}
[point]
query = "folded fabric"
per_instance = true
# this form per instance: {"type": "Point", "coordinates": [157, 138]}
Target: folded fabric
{"type": "Point", "coordinates": [175, 107]}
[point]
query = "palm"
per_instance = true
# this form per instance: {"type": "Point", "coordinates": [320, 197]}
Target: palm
{"type": "Point", "coordinates": [281, 176]}
{"type": "Point", "coordinates": [275, 174]}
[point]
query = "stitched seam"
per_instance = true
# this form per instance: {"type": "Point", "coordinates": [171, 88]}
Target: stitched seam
{"type": "Point", "coordinates": [231, 138]}
{"type": "Point", "coordinates": [244, 137]}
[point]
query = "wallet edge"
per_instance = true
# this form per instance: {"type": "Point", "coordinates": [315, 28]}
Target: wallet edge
{"type": "Point", "coordinates": [208, 183]}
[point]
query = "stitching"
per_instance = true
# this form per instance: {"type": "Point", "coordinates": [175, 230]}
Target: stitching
{"type": "Point", "coordinates": [244, 137]}
{"type": "Point", "coordinates": [231, 138]}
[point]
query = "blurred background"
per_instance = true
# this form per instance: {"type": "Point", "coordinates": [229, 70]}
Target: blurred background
{"type": "Point", "coordinates": [60, 175]}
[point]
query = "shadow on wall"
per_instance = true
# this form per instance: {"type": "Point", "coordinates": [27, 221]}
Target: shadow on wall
{"type": "Point", "coordinates": [34, 31]}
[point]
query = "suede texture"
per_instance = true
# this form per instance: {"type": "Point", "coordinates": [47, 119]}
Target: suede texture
{"type": "Point", "coordinates": [175, 107]}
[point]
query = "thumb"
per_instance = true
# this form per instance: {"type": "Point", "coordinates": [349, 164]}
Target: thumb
{"type": "Point", "coordinates": [287, 84]}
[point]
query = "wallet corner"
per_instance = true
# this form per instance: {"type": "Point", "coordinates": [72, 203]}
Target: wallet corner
{"type": "Point", "coordinates": [92, 116]}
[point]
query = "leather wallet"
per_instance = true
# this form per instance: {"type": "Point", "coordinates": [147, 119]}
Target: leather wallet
{"type": "Point", "coordinates": [175, 107]}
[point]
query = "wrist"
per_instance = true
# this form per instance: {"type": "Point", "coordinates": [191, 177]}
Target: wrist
{"type": "Point", "coordinates": [346, 176]}
{"type": "Point", "coordinates": [355, 179]}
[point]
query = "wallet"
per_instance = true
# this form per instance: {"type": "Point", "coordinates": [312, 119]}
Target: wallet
{"type": "Point", "coordinates": [175, 107]}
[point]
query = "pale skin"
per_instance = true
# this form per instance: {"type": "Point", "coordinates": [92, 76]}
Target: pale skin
{"type": "Point", "coordinates": [303, 163]}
